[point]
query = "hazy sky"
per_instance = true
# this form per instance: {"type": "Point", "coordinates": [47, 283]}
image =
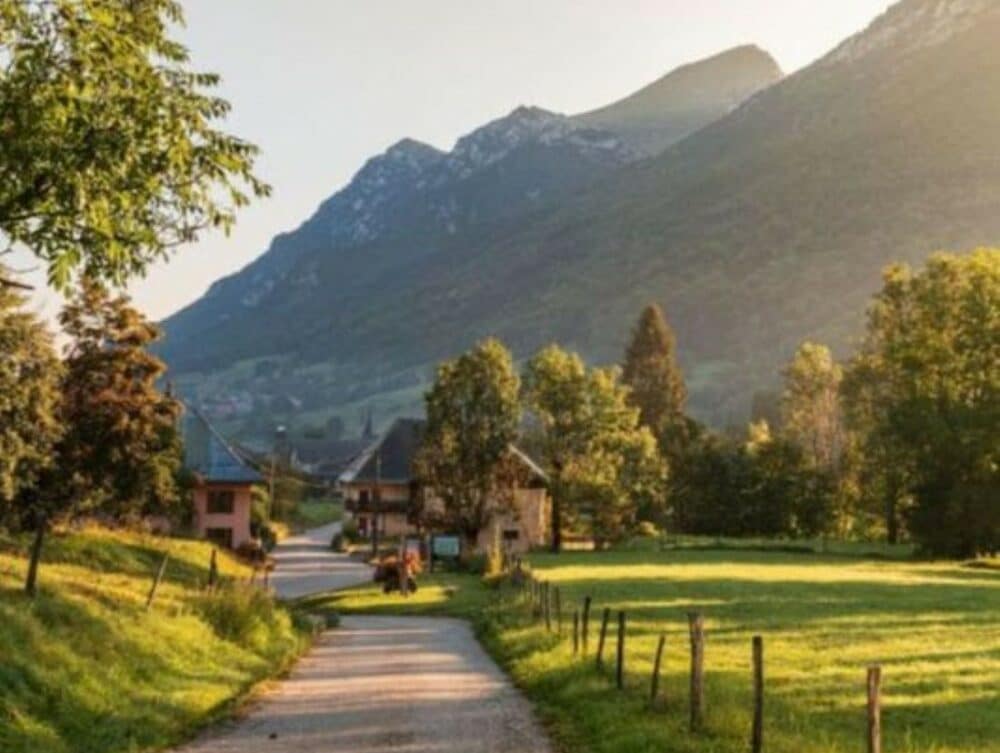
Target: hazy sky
{"type": "Point", "coordinates": [321, 85]}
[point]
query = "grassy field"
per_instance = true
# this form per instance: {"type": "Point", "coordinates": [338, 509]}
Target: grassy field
{"type": "Point", "coordinates": [311, 513]}
{"type": "Point", "coordinates": [85, 669]}
{"type": "Point", "coordinates": [935, 628]}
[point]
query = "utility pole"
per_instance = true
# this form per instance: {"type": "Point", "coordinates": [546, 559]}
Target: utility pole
{"type": "Point", "coordinates": [278, 431]}
{"type": "Point", "coordinates": [376, 501]}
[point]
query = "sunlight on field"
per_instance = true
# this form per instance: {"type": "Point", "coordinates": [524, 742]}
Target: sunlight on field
{"type": "Point", "coordinates": [935, 628]}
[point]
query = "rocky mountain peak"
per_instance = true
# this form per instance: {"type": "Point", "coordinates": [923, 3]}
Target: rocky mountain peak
{"type": "Point", "coordinates": [526, 125]}
{"type": "Point", "coordinates": [913, 24]}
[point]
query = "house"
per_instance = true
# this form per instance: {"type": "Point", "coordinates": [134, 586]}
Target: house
{"type": "Point", "coordinates": [380, 489]}
{"type": "Point", "coordinates": [223, 483]}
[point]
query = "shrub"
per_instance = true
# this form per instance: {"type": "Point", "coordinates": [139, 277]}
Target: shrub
{"type": "Point", "coordinates": [647, 530]}
{"type": "Point", "coordinates": [245, 615]}
{"type": "Point", "coordinates": [350, 530]}
{"type": "Point", "coordinates": [338, 543]}
{"type": "Point", "coordinates": [477, 564]}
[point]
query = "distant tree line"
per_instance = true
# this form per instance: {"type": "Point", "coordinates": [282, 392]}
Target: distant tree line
{"type": "Point", "coordinates": [901, 440]}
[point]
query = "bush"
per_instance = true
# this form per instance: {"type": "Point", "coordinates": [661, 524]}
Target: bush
{"type": "Point", "coordinates": [350, 530]}
{"type": "Point", "coordinates": [251, 551]}
{"type": "Point", "coordinates": [268, 538]}
{"type": "Point", "coordinates": [476, 564]}
{"type": "Point", "coordinates": [647, 530]}
{"type": "Point", "coordinates": [338, 543]}
{"type": "Point", "coordinates": [245, 615]}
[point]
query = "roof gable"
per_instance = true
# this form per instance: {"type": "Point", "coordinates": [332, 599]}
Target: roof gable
{"type": "Point", "coordinates": [390, 458]}
{"type": "Point", "coordinates": [209, 456]}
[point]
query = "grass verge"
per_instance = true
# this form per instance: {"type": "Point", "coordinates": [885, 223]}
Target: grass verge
{"type": "Point", "coordinates": [84, 668]}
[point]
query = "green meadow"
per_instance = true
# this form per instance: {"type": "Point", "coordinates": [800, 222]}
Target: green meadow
{"type": "Point", "coordinates": [934, 628]}
{"type": "Point", "coordinates": [84, 668]}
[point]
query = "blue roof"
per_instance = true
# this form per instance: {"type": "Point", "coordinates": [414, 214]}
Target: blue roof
{"type": "Point", "coordinates": [209, 456]}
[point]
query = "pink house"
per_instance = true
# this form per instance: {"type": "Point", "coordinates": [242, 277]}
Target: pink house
{"type": "Point", "coordinates": [223, 482]}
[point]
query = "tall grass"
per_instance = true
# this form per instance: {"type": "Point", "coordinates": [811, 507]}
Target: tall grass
{"type": "Point", "coordinates": [84, 668]}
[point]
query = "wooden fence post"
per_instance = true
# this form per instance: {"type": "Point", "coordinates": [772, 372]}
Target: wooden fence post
{"type": "Point", "coordinates": [600, 640]}
{"type": "Point", "coordinates": [654, 685]}
{"type": "Point", "coordinates": [213, 570]}
{"type": "Point", "coordinates": [620, 664]}
{"type": "Point", "coordinates": [696, 626]}
{"type": "Point", "coordinates": [547, 606]}
{"type": "Point", "coordinates": [757, 735]}
{"type": "Point", "coordinates": [576, 632]}
{"type": "Point", "coordinates": [156, 581]}
{"type": "Point", "coordinates": [875, 709]}
{"type": "Point", "coordinates": [586, 623]}
{"type": "Point", "coordinates": [558, 597]}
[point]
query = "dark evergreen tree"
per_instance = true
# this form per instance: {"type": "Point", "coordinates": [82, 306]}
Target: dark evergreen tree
{"type": "Point", "coordinates": [655, 381]}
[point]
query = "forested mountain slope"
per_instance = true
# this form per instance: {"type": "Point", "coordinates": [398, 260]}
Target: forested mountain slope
{"type": "Point", "coordinates": [766, 227]}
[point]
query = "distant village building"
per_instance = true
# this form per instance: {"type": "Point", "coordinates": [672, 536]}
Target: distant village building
{"type": "Point", "coordinates": [380, 489]}
{"type": "Point", "coordinates": [223, 483]}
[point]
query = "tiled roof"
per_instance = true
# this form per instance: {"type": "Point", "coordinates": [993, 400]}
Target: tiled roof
{"type": "Point", "coordinates": [395, 451]}
{"type": "Point", "coordinates": [209, 456]}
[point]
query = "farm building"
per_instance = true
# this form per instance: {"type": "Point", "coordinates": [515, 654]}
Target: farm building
{"type": "Point", "coordinates": [223, 483]}
{"type": "Point", "coordinates": [380, 489]}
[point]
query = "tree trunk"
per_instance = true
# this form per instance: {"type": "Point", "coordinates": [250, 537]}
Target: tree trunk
{"type": "Point", "coordinates": [556, 526]}
{"type": "Point", "coordinates": [30, 583]}
{"type": "Point", "coordinates": [891, 513]}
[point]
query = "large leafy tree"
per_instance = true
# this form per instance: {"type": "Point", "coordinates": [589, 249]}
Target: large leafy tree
{"type": "Point", "coordinates": [811, 415]}
{"type": "Point", "coordinates": [109, 152]}
{"type": "Point", "coordinates": [29, 401]}
{"type": "Point", "coordinates": [121, 450]}
{"type": "Point", "coordinates": [655, 380]}
{"type": "Point", "coordinates": [764, 487]}
{"type": "Point", "coordinates": [597, 455]}
{"type": "Point", "coordinates": [933, 344]}
{"type": "Point", "coordinates": [473, 414]}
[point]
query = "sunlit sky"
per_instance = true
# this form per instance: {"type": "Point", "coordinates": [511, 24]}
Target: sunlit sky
{"type": "Point", "coordinates": [321, 85]}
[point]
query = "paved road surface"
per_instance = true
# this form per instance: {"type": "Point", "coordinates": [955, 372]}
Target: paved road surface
{"type": "Point", "coordinates": [387, 685]}
{"type": "Point", "coordinates": [305, 564]}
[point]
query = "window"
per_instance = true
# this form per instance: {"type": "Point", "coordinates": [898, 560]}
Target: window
{"type": "Point", "coordinates": [363, 527]}
{"type": "Point", "coordinates": [220, 536]}
{"type": "Point", "coordinates": [511, 534]}
{"type": "Point", "coordinates": [220, 502]}
{"type": "Point", "coordinates": [363, 498]}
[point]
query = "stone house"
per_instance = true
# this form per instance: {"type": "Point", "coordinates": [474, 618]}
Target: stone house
{"type": "Point", "coordinates": [223, 483]}
{"type": "Point", "coordinates": [379, 489]}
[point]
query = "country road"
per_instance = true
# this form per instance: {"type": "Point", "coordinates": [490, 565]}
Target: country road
{"type": "Point", "coordinates": [305, 565]}
{"type": "Point", "coordinates": [387, 685]}
{"type": "Point", "coordinates": [377, 684]}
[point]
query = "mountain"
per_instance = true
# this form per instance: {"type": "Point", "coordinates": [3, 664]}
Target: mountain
{"type": "Point", "coordinates": [289, 309]}
{"type": "Point", "coordinates": [764, 228]}
{"type": "Point", "coordinates": [680, 103]}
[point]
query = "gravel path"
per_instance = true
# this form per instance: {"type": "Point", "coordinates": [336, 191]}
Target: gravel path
{"type": "Point", "coordinates": [305, 564]}
{"type": "Point", "coordinates": [387, 684]}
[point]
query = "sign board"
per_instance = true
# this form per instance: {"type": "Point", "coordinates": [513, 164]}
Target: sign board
{"type": "Point", "coordinates": [446, 546]}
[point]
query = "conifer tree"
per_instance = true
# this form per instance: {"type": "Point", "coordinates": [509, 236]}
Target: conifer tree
{"type": "Point", "coordinates": [121, 451]}
{"type": "Point", "coordinates": [656, 381]}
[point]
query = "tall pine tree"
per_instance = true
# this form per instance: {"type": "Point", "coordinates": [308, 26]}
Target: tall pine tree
{"type": "Point", "coordinates": [121, 452]}
{"type": "Point", "coordinates": [655, 380]}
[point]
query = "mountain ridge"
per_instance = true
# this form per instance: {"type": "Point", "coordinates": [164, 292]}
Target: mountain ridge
{"type": "Point", "coordinates": [765, 227]}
